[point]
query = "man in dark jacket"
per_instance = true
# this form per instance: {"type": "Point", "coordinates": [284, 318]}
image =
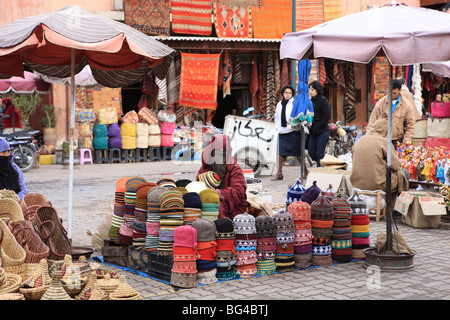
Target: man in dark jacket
{"type": "Point", "coordinates": [218, 157]}
{"type": "Point", "coordinates": [320, 132]}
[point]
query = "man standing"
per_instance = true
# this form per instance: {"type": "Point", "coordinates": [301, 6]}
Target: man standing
{"type": "Point", "coordinates": [403, 121]}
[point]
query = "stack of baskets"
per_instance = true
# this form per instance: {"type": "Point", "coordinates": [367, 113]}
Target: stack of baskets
{"type": "Point", "coordinates": [31, 202]}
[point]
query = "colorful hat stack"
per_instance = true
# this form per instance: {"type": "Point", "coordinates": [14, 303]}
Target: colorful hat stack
{"type": "Point", "coordinates": [192, 207]}
{"type": "Point", "coordinates": [285, 234]}
{"type": "Point", "coordinates": [166, 182]}
{"type": "Point", "coordinates": [311, 193]}
{"type": "Point", "coordinates": [210, 204]}
{"type": "Point", "coordinates": [295, 192]}
{"type": "Point", "coordinates": [153, 216]}
{"type": "Point", "coordinates": [117, 217]}
{"type": "Point", "coordinates": [206, 248]}
{"type": "Point", "coordinates": [322, 230]}
{"type": "Point", "coordinates": [341, 241]}
{"type": "Point", "coordinates": [266, 245]}
{"type": "Point", "coordinates": [184, 268]}
{"type": "Point", "coordinates": [225, 250]}
{"type": "Point", "coordinates": [360, 223]}
{"type": "Point", "coordinates": [301, 212]}
{"type": "Point", "coordinates": [140, 214]}
{"type": "Point", "coordinates": [172, 208]}
{"type": "Point", "coordinates": [126, 228]}
{"type": "Point", "coordinates": [245, 243]}
{"type": "Point", "coordinates": [210, 178]}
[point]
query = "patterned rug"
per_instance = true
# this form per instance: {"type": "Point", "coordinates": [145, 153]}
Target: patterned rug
{"type": "Point", "coordinates": [331, 9]}
{"type": "Point", "coordinates": [232, 21]}
{"type": "Point", "coordinates": [309, 13]}
{"type": "Point", "coordinates": [273, 20]}
{"type": "Point", "coordinates": [199, 78]}
{"type": "Point", "coordinates": [148, 16]}
{"type": "Point", "coordinates": [193, 17]}
{"type": "Point", "coordinates": [380, 78]}
{"type": "Point", "coordinates": [245, 3]}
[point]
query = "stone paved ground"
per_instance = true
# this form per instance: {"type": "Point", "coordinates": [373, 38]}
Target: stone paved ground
{"type": "Point", "coordinates": [93, 192]}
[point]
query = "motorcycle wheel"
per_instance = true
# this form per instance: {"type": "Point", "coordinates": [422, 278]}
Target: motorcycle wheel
{"type": "Point", "coordinates": [29, 157]}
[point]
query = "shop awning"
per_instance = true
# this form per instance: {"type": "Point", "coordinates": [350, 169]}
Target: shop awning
{"type": "Point", "coordinates": [19, 85]}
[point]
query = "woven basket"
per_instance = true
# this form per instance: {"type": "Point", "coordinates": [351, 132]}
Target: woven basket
{"type": "Point", "coordinates": [11, 284]}
{"type": "Point", "coordinates": [108, 285]}
{"type": "Point", "coordinates": [124, 291]}
{"type": "Point", "coordinates": [92, 291]}
{"type": "Point", "coordinates": [48, 226]}
{"type": "Point", "coordinates": [11, 253]}
{"type": "Point", "coordinates": [103, 273]}
{"type": "Point", "coordinates": [32, 202]}
{"type": "Point", "coordinates": [12, 296]}
{"type": "Point", "coordinates": [56, 290]}
{"type": "Point", "coordinates": [34, 247]}
{"type": "Point", "coordinates": [34, 293]}
{"type": "Point", "coordinates": [72, 279]}
{"type": "Point", "coordinates": [2, 276]}
{"type": "Point", "coordinates": [40, 276]}
{"type": "Point", "coordinates": [9, 208]}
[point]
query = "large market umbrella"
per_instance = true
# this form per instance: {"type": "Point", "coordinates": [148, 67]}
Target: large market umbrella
{"type": "Point", "coordinates": [62, 43]}
{"type": "Point", "coordinates": [26, 85]}
{"type": "Point", "coordinates": [405, 35]}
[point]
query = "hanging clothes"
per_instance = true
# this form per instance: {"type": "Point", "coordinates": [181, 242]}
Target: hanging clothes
{"type": "Point", "coordinates": [254, 76]}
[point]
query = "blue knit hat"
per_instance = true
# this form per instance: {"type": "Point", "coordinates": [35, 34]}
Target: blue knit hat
{"type": "Point", "coordinates": [4, 145]}
{"type": "Point", "coordinates": [295, 192]}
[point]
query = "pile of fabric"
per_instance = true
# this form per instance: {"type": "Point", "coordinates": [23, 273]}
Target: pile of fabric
{"type": "Point", "coordinates": [141, 135]}
{"type": "Point", "coordinates": [266, 245]}
{"type": "Point", "coordinates": [184, 268]}
{"type": "Point", "coordinates": [100, 141]}
{"type": "Point", "coordinates": [206, 247]}
{"type": "Point", "coordinates": [301, 212]}
{"type": "Point", "coordinates": [245, 243]}
{"type": "Point", "coordinates": [360, 225]}
{"type": "Point", "coordinates": [153, 216]}
{"type": "Point", "coordinates": [114, 139]}
{"type": "Point", "coordinates": [285, 234]}
{"type": "Point", "coordinates": [225, 250]}
{"type": "Point", "coordinates": [322, 231]}
{"type": "Point", "coordinates": [128, 136]}
{"type": "Point", "coordinates": [341, 241]}
{"type": "Point", "coordinates": [172, 207]}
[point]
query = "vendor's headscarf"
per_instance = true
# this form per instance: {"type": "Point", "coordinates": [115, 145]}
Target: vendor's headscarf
{"type": "Point", "coordinates": [9, 178]}
{"type": "Point", "coordinates": [217, 155]}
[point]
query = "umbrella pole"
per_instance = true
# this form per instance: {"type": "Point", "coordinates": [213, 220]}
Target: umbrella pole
{"type": "Point", "coordinates": [72, 124]}
{"type": "Point", "coordinates": [388, 168]}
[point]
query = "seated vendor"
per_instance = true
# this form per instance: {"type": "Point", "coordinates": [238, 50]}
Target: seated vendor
{"type": "Point", "coordinates": [369, 158]}
{"type": "Point", "coordinates": [11, 177]}
{"type": "Point", "coordinates": [218, 157]}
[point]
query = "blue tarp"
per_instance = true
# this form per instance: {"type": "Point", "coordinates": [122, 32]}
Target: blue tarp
{"type": "Point", "coordinates": [303, 108]}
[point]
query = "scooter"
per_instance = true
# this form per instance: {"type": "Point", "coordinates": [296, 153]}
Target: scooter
{"type": "Point", "coordinates": [342, 138]}
{"type": "Point", "coordinates": [23, 148]}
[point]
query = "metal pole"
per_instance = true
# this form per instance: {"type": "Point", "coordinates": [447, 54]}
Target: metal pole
{"type": "Point", "coordinates": [72, 125]}
{"type": "Point", "coordinates": [388, 168]}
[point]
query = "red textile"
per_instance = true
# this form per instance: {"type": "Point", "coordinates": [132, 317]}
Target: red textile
{"type": "Point", "coordinates": [254, 76]}
{"type": "Point", "coordinates": [234, 200]}
{"type": "Point", "coordinates": [8, 123]}
{"type": "Point", "coordinates": [193, 17]}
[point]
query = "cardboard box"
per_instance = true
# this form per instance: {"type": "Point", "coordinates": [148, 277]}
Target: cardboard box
{"type": "Point", "coordinates": [420, 209]}
{"type": "Point", "coordinates": [339, 179]}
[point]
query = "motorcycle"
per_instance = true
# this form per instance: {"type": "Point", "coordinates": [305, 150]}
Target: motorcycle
{"type": "Point", "coordinates": [342, 138]}
{"type": "Point", "coordinates": [23, 148]}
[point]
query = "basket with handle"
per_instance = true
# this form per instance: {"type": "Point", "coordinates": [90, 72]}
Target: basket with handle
{"type": "Point", "coordinates": [31, 202]}
{"type": "Point", "coordinates": [48, 226]}
{"type": "Point", "coordinates": [11, 253]}
{"type": "Point", "coordinates": [10, 209]}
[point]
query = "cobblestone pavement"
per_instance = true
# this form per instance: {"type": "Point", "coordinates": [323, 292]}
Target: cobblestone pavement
{"type": "Point", "coordinates": [93, 192]}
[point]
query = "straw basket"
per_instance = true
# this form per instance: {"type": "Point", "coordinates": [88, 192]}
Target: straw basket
{"type": "Point", "coordinates": [11, 284]}
{"type": "Point", "coordinates": [92, 291]}
{"type": "Point", "coordinates": [2, 276]}
{"type": "Point", "coordinates": [71, 277]}
{"type": "Point", "coordinates": [40, 276]}
{"type": "Point", "coordinates": [103, 273]}
{"type": "Point", "coordinates": [12, 296]}
{"type": "Point", "coordinates": [108, 285]}
{"type": "Point", "coordinates": [56, 290]}
{"type": "Point", "coordinates": [124, 291]}
{"type": "Point", "coordinates": [11, 253]}
{"type": "Point", "coordinates": [48, 226]}
{"type": "Point", "coordinates": [32, 202]}
{"type": "Point", "coordinates": [9, 208]}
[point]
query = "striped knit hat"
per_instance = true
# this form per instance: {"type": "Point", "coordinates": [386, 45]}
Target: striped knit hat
{"type": "Point", "coordinates": [210, 204]}
{"type": "Point", "coordinates": [192, 207]}
{"type": "Point", "coordinates": [210, 178]}
{"type": "Point", "coordinates": [171, 199]}
{"type": "Point", "coordinates": [166, 182]}
{"type": "Point", "coordinates": [295, 192]}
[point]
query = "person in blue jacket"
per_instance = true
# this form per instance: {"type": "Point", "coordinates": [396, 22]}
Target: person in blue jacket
{"type": "Point", "coordinates": [11, 177]}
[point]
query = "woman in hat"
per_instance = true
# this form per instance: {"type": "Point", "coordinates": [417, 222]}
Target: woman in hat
{"type": "Point", "coordinates": [11, 177]}
{"type": "Point", "coordinates": [218, 157]}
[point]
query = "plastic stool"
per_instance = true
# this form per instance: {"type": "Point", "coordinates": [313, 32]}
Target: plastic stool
{"type": "Point", "coordinates": [154, 153]}
{"type": "Point", "coordinates": [85, 156]}
{"type": "Point", "coordinates": [115, 154]}
{"type": "Point", "coordinates": [101, 156]}
{"type": "Point", "coordinates": [129, 155]}
{"type": "Point", "coordinates": [141, 154]}
{"type": "Point", "coordinates": [167, 153]}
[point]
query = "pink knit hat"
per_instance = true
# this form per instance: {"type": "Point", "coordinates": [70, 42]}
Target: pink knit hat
{"type": "Point", "coordinates": [185, 236]}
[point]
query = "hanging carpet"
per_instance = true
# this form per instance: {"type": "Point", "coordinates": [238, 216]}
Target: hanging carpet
{"type": "Point", "coordinates": [232, 21]}
{"type": "Point", "coordinates": [227, 67]}
{"type": "Point", "coordinates": [331, 9]}
{"type": "Point", "coordinates": [271, 94]}
{"type": "Point", "coordinates": [254, 76]}
{"type": "Point", "coordinates": [309, 13]}
{"type": "Point", "coordinates": [273, 20]}
{"type": "Point", "coordinates": [148, 16]}
{"type": "Point", "coordinates": [193, 17]}
{"type": "Point", "coordinates": [350, 93]}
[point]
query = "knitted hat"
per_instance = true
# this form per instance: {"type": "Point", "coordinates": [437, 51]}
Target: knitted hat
{"type": "Point", "coordinates": [225, 228]}
{"type": "Point", "coordinates": [311, 193]}
{"type": "Point", "coordinates": [166, 182]}
{"type": "Point", "coordinates": [321, 208]}
{"type": "Point", "coordinates": [4, 145]}
{"type": "Point", "coordinates": [182, 182]}
{"type": "Point", "coordinates": [265, 226]}
{"type": "Point", "coordinates": [133, 182]}
{"type": "Point", "coordinates": [196, 186]}
{"type": "Point", "coordinates": [329, 192]}
{"type": "Point", "coordinates": [357, 204]}
{"type": "Point", "coordinates": [209, 196]}
{"type": "Point", "coordinates": [185, 236]}
{"type": "Point", "coordinates": [171, 199]}
{"type": "Point", "coordinates": [244, 223]}
{"type": "Point", "coordinates": [300, 211]}
{"type": "Point", "coordinates": [206, 230]}
{"type": "Point", "coordinates": [210, 178]}
{"type": "Point", "coordinates": [295, 192]}
{"type": "Point", "coordinates": [192, 200]}
{"type": "Point", "coordinates": [284, 223]}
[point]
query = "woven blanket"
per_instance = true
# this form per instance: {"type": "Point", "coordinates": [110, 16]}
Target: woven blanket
{"type": "Point", "coordinates": [309, 13]}
{"type": "Point", "coordinates": [192, 17]}
{"type": "Point", "coordinates": [232, 21]}
{"type": "Point", "coordinates": [331, 9]}
{"type": "Point", "coordinates": [199, 77]}
{"type": "Point", "coordinates": [148, 16]}
{"type": "Point", "coordinates": [245, 3]}
{"type": "Point", "coordinates": [380, 80]}
{"type": "Point", "coordinates": [227, 67]}
{"type": "Point", "coordinates": [273, 20]}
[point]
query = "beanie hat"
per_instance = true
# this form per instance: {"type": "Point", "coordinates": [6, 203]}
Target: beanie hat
{"type": "Point", "coordinates": [284, 224]}
{"type": "Point", "coordinates": [210, 178]}
{"type": "Point", "coordinates": [192, 207]}
{"type": "Point", "coordinates": [265, 226]}
{"type": "Point", "coordinates": [295, 192]}
{"type": "Point", "coordinates": [171, 199]}
{"type": "Point", "coordinates": [357, 204]}
{"type": "Point", "coordinates": [206, 230]}
{"type": "Point", "coordinates": [225, 228]}
{"type": "Point", "coordinates": [165, 182]}
{"type": "Point", "coordinates": [196, 186]}
{"type": "Point", "coordinates": [311, 193]}
{"type": "Point", "coordinates": [185, 236]}
{"type": "Point", "coordinates": [133, 182]}
{"type": "Point", "coordinates": [244, 223]}
{"type": "Point", "coordinates": [329, 193]}
{"type": "Point", "coordinates": [184, 268]}
{"type": "Point", "coordinates": [300, 211]}
{"type": "Point", "coordinates": [226, 251]}
{"type": "Point", "coordinates": [321, 208]}
{"type": "Point", "coordinates": [182, 182]}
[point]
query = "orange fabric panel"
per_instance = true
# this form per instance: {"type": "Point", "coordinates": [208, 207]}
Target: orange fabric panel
{"type": "Point", "coordinates": [273, 20]}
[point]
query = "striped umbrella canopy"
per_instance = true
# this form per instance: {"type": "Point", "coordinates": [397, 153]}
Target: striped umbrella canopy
{"type": "Point", "coordinates": [117, 54]}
